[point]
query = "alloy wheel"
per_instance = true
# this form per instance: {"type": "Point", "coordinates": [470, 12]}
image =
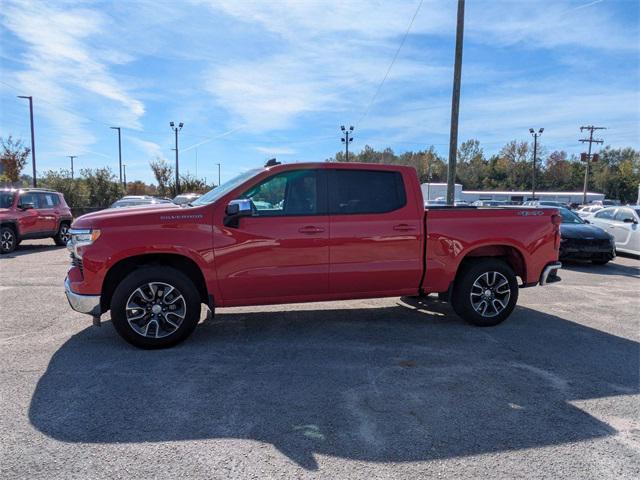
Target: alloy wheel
{"type": "Point", "coordinates": [64, 233]}
{"type": "Point", "coordinates": [7, 240]}
{"type": "Point", "coordinates": [155, 310]}
{"type": "Point", "coordinates": [490, 294]}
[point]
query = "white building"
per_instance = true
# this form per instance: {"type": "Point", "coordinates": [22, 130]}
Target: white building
{"type": "Point", "coordinates": [433, 191]}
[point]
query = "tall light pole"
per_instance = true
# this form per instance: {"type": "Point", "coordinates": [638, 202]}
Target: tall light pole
{"type": "Point", "coordinates": [535, 155]}
{"type": "Point", "coordinates": [455, 106]}
{"type": "Point", "coordinates": [33, 140]}
{"type": "Point", "coordinates": [348, 138]}
{"type": "Point", "coordinates": [176, 130]}
{"type": "Point", "coordinates": [71, 157]}
{"type": "Point", "coordinates": [119, 152]}
{"type": "Point", "coordinates": [218, 173]}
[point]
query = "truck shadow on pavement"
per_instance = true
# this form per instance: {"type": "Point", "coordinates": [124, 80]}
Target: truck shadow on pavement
{"type": "Point", "coordinates": [410, 382]}
{"type": "Point", "coordinates": [608, 269]}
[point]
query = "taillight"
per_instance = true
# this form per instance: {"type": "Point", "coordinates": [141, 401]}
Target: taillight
{"type": "Point", "coordinates": [556, 220]}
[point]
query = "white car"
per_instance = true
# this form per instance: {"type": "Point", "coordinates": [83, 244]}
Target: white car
{"type": "Point", "coordinates": [623, 223]}
{"type": "Point", "coordinates": [588, 210]}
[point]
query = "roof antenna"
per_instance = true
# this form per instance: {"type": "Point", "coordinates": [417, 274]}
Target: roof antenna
{"type": "Point", "coordinates": [272, 162]}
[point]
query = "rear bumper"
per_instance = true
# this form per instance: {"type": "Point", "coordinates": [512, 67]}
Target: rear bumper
{"type": "Point", "coordinates": [89, 304]}
{"type": "Point", "coordinates": [550, 273]}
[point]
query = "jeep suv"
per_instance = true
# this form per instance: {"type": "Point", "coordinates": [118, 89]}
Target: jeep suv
{"type": "Point", "coordinates": [32, 213]}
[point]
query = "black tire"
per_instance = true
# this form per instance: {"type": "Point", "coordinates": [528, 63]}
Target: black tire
{"type": "Point", "coordinates": [8, 240]}
{"type": "Point", "coordinates": [62, 236]}
{"type": "Point", "coordinates": [600, 261]}
{"type": "Point", "coordinates": [143, 278]}
{"type": "Point", "coordinates": [497, 305]}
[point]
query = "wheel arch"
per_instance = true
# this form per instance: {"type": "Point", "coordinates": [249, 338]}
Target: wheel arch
{"type": "Point", "coordinates": [11, 224]}
{"type": "Point", "coordinates": [511, 255]}
{"type": "Point", "coordinates": [125, 266]}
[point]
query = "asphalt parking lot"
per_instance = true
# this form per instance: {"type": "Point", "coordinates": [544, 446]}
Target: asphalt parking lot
{"type": "Point", "coordinates": [390, 388]}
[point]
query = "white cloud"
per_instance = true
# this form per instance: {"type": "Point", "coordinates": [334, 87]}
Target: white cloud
{"type": "Point", "coordinates": [151, 149]}
{"type": "Point", "coordinates": [65, 71]}
{"type": "Point", "coordinates": [329, 56]}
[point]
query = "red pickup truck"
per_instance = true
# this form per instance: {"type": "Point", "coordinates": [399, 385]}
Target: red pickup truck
{"type": "Point", "coordinates": [302, 233]}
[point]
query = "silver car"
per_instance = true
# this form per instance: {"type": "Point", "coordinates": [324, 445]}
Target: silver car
{"type": "Point", "coordinates": [623, 223]}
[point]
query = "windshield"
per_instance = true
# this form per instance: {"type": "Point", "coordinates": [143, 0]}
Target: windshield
{"type": "Point", "coordinates": [214, 194]}
{"type": "Point", "coordinates": [6, 199]}
{"type": "Point", "coordinates": [569, 217]}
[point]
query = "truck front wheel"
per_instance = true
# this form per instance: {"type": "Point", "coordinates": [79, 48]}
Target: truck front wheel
{"type": "Point", "coordinates": [155, 307]}
{"type": "Point", "coordinates": [486, 292]}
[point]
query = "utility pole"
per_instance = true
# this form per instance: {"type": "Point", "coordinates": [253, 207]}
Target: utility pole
{"type": "Point", "coordinates": [348, 138]}
{"type": "Point", "coordinates": [587, 158]}
{"type": "Point", "coordinates": [72, 157]}
{"type": "Point", "coordinates": [33, 140]}
{"type": "Point", "coordinates": [119, 153]}
{"type": "Point", "coordinates": [124, 168]}
{"type": "Point", "coordinates": [176, 130]}
{"type": "Point", "coordinates": [218, 173]}
{"type": "Point", "coordinates": [535, 155]}
{"type": "Point", "coordinates": [455, 107]}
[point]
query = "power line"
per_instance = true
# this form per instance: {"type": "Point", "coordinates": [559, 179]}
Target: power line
{"type": "Point", "coordinates": [210, 139]}
{"type": "Point", "coordinates": [393, 61]}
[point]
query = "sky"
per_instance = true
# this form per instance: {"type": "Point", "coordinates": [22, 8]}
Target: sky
{"type": "Point", "coordinates": [253, 80]}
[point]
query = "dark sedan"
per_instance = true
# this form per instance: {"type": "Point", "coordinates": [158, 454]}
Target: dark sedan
{"type": "Point", "coordinates": [583, 241]}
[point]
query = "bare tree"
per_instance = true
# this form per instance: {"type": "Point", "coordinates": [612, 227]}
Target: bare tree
{"type": "Point", "coordinates": [163, 172]}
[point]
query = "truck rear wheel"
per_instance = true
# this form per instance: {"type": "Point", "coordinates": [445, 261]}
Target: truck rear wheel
{"type": "Point", "coordinates": [486, 292]}
{"type": "Point", "coordinates": [155, 307]}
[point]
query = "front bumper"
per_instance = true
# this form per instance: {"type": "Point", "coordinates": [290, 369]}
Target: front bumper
{"type": "Point", "coordinates": [550, 273]}
{"type": "Point", "coordinates": [89, 304]}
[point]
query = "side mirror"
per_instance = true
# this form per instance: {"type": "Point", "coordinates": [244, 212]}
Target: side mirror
{"type": "Point", "coordinates": [630, 220]}
{"type": "Point", "coordinates": [237, 209]}
{"type": "Point", "coordinates": [26, 206]}
{"type": "Point", "coordinates": [586, 221]}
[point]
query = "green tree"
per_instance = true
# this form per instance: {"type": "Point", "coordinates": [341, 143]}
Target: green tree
{"type": "Point", "coordinates": [472, 166]}
{"type": "Point", "coordinates": [191, 184]}
{"type": "Point", "coordinates": [13, 158]}
{"type": "Point", "coordinates": [102, 187]}
{"type": "Point", "coordinates": [74, 190]}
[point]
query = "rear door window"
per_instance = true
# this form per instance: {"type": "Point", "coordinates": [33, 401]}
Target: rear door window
{"type": "Point", "coordinates": [605, 214]}
{"type": "Point", "coordinates": [365, 191]}
{"type": "Point", "coordinates": [48, 200]}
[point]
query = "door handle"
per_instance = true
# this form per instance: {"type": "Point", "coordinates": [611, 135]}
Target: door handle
{"type": "Point", "coordinates": [310, 229]}
{"type": "Point", "coordinates": [403, 227]}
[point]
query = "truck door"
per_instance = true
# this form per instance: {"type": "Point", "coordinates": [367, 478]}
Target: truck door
{"type": "Point", "coordinates": [281, 252]}
{"type": "Point", "coordinates": [375, 240]}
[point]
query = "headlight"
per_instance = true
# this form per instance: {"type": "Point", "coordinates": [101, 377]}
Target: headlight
{"type": "Point", "coordinates": [81, 238]}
